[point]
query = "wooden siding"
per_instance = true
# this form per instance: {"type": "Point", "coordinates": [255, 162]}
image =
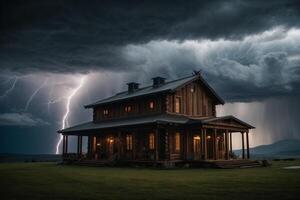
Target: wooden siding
{"type": "Point", "coordinates": [139, 107]}
{"type": "Point", "coordinates": [197, 104]}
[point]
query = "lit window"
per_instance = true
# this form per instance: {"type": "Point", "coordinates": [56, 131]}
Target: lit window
{"type": "Point", "coordinates": [151, 141]}
{"type": "Point", "coordinates": [177, 105]}
{"type": "Point", "coordinates": [128, 142]}
{"type": "Point", "coordinates": [151, 105]}
{"type": "Point", "coordinates": [177, 141]}
{"type": "Point", "coordinates": [105, 111]}
{"type": "Point", "coordinates": [128, 109]}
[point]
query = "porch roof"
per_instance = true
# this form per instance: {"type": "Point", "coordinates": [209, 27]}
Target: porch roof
{"type": "Point", "coordinates": [90, 126]}
{"type": "Point", "coordinates": [158, 119]}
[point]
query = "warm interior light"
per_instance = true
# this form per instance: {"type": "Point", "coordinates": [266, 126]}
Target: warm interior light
{"type": "Point", "coordinates": [98, 144]}
{"type": "Point", "coordinates": [197, 138]}
{"type": "Point", "coordinates": [208, 137]}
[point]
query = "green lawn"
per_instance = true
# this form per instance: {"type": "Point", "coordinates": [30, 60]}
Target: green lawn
{"type": "Point", "coordinates": [52, 181]}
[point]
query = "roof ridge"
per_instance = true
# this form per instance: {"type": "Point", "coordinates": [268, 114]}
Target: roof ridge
{"type": "Point", "coordinates": [140, 89]}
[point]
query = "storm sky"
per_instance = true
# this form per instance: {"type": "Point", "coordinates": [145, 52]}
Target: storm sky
{"type": "Point", "coordinates": [249, 51]}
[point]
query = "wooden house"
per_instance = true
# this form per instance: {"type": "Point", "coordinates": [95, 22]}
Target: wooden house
{"type": "Point", "coordinates": [163, 122]}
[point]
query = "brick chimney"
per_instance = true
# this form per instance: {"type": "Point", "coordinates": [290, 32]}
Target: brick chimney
{"type": "Point", "coordinates": [158, 81]}
{"type": "Point", "coordinates": [132, 86]}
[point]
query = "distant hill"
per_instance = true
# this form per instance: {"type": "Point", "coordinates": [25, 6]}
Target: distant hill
{"type": "Point", "coordinates": [281, 149]}
{"type": "Point", "coordinates": [7, 157]}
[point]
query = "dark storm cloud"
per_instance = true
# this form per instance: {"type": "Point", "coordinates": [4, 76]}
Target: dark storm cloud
{"type": "Point", "coordinates": [65, 36]}
{"type": "Point", "coordinates": [20, 119]}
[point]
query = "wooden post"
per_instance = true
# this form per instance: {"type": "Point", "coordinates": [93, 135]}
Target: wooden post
{"type": "Point", "coordinates": [226, 145]}
{"type": "Point", "coordinates": [205, 145]}
{"type": "Point", "coordinates": [247, 140]}
{"type": "Point", "coordinates": [167, 145]}
{"type": "Point", "coordinates": [202, 144]}
{"type": "Point", "coordinates": [78, 146]}
{"type": "Point", "coordinates": [156, 144]}
{"type": "Point", "coordinates": [119, 145]}
{"type": "Point", "coordinates": [230, 142]}
{"type": "Point", "coordinates": [64, 145]}
{"type": "Point", "coordinates": [188, 157]}
{"type": "Point", "coordinates": [134, 145]}
{"type": "Point", "coordinates": [215, 144]}
{"type": "Point", "coordinates": [66, 149]}
{"type": "Point", "coordinates": [243, 146]}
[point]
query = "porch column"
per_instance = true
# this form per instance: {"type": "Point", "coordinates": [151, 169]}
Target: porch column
{"type": "Point", "coordinates": [204, 144]}
{"type": "Point", "coordinates": [243, 146]}
{"type": "Point", "coordinates": [201, 142]}
{"type": "Point", "coordinates": [247, 140]}
{"type": "Point", "coordinates": [64, 145]}
{"type": "Point", "coordinates": [226, 145]}
{"type": "Point", "coordinates": [156, 144]}
{"type": "Point", "coordinates": [79, 145]}
{"type": "Point", "coordinates": [134, 145]}
{"type": "Point", "coordinates": [89, 146]}
{"type": "Point", "coordinates": [80, 150]}
{"type": "Point", "coordinates": [215, 144]}
{"type": "Point", "coordinates": [230, 134]}
{"type": "Point", "coordinates": [187, 152]}
{"type": "Point", "coordinates": [119, 145]}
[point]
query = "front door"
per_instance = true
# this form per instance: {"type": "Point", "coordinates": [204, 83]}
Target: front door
{"type": "Point", "coordinates": [197, 147]}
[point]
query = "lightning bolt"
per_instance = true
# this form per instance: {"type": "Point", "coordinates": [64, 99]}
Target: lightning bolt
{"type": "Point", "coordinates": [65, 117]}
{"type": "Point", "coordinates": [33, 94]}
{"type": "Point", "coordinates": [10, 89]}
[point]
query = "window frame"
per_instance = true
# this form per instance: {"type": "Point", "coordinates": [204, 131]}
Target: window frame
{"type": "Point", "coordinates": [151, 105]}
{"type": "Point", "coordinates": [177, 142]}
{"type": "Point", "coordinates": [129, 142]}
{"type": "Point", "coordinates": [151, 141]}
{"type": "Point", "coordinates": [179, 104]}
{"type": "Point", "coordinates": [128, 108]}
{"type": "Point", "coordinates": [105, 111]}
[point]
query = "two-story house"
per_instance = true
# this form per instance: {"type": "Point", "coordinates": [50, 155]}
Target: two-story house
{"type": "Point", "coordinates": [166, 121]}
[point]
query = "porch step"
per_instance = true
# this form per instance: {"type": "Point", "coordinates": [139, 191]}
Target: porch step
{"type": "Point", "coordinates": [227, 164]}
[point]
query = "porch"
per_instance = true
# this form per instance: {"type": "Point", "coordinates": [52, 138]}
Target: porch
{"type": "Point", "coordinates": [161, 142]}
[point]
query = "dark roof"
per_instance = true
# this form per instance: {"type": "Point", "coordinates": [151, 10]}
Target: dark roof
{"type": "Point", "coordinates": [150, 90]}
{"type": "Point", "coordinates": [162, 118]}
{"type": "Point", "coordinates": [214, 119]}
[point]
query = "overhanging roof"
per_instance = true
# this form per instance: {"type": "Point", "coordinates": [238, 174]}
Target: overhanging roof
{"type": "Point", "coordinates": [90, 126]}
{"type": "Point", "coordinates": [150, 90]}
{"type": "Point", "coordinates": [163, 118]}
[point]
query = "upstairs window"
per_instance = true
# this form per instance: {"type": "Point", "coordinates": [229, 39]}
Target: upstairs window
{"type": "Point", "coordinates": [105, 112]}
{"type": "Point", "coordinates": [151, 105]}
{"type": "Point", "coordinates": [128, 109]}
{"type": "Point", "coordinates": [151, 141]}
{"type": "Point", "coordinates": [177, 104]}
{"type": "Point", "coordinates": [177, 141]}
{"type": "Point", "coordinates": [129, 142]}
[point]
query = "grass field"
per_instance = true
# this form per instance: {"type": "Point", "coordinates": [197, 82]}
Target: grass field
{"type": "Point", "coordinates": [52, 181]}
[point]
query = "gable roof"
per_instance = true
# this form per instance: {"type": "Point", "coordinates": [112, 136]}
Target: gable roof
{"type": "Point", "coordinates": [150, 90]}
{"type": "Point", "coordinates": [216, 119]}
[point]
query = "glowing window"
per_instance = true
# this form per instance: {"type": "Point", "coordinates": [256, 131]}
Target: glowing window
{"type": "Point", "coordinates": [128, 142]}
{"type": "Point", "coordinates": [105, 112]}
{"type": "Point", "coordinates": [177, 141]}
{"type": "Point", "coordinates": [177, 104]}
{"type": "Point", "coordinates": [151, 141]}
{"type": "Point", "coordinates": [151, 104]}
{"type": "Point", "coordinates": [128, 109]}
